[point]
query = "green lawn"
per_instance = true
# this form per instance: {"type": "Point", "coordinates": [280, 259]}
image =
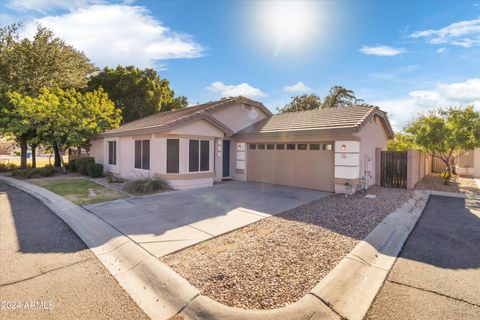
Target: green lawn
{"type": "Point", "coordinates": [77, 190]}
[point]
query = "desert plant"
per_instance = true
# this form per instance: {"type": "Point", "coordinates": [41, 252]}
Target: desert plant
{"type": "Point", "coordinates": [33, 173]}
{"type": "Point", "coordinates": [113, 178]}
{"type": "Point", "coordinates": [95, 170]}
{"type": "Point", "coordinates": [82, 164]}
{"type": "Point", "coordinates": [146, 185]}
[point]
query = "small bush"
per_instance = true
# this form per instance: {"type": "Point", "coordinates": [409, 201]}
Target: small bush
{"type": "Point", "coordinates": [72, 166]}
{"type": "Point", "coordinates": [7, 167]}
{"type": "Point", "coordinates": [112, 178]}
{"type": "Point", "coordinates": [82, 164]}
{"type": "Point", "coordinates": [95, 170]}
{"type": "Point", "coordinates": [146, 185]}
{"type": "Point", "coordinates": [33, 173]}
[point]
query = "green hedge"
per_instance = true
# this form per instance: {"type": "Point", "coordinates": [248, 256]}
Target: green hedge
{"type": "Point", "coordinates": [95, 170]}
{"type": "Point", "coordinates": [33, 173]}
{"type": "Point", "coordinates": [82, 164]}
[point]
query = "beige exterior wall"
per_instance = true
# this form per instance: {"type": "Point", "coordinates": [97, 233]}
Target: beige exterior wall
{"type": "Point", "coordinates": [125, 167]}
{"type": "Point", "coordinates": [419, 164]}
{"type": "Point", "coordinates": [239, 116]}
{"type": "Point", "coordinates": [373, 135]}
{"type": "Point", "coordinates": [466, 163]}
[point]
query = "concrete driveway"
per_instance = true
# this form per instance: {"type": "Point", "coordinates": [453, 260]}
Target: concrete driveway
{"type": "Point", "coordinates": [169, 222]}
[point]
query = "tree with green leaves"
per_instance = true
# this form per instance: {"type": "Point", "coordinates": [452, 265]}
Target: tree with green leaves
{"type": "Point", "coordinates": [29, 65]}
{"type": "Point", "coordinates": [447, 134]}
{"type": "Point", "coordinates": [138, 93]}
{"type": "Point", "coordinates": [339, 97]}
{"type": "Point", "coordinates": [62, 118]}
{"type": "Point", "coordinates": [402, 142]}
{"type": "Point", "coordinates": [302, 103]}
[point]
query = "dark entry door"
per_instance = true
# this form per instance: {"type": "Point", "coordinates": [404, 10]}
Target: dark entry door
{"type": "Point", "coordinates": [226, 158]}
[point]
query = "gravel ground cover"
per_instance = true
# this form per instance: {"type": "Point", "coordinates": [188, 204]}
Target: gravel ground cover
{"type": "Point", "coordinates": [276, 261]}
{"type": "Point", "coordinates": [460, 184]}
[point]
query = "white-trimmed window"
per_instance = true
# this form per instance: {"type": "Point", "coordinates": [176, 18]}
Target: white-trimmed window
{"type": "Point", "coordinates": [112, 152]}
{"type": "Point", "coordinates": [142, 154]}
{"type": "Point", "coordinates": [198, 155]}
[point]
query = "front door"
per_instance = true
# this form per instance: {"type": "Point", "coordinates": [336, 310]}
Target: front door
{"type": "Point", "coordinates": [226, 158]}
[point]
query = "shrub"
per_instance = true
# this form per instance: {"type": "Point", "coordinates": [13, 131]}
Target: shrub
{"type": "Point", "coordinates": [33, 173]}
{"type": "Point", "coordinates": [95, 170]}
{"type": "Point", "coordinates": [6, 167]}
{"type": "Point", "coordinates": [112, 178]}
{"type": "Point", "coordinates": [82, 164]}
{"type": "Point", "coordinates": [145, 185]}
{"type": "Point", "coordinates": [72, 165]}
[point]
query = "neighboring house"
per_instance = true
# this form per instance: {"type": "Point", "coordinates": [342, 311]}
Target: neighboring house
{"type": "Point", "coordinates": [239, 138]}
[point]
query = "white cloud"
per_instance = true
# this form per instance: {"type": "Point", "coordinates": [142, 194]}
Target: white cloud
{"type": "Point", "coordinates": [402, 110]}
{"type": "Point", "coordinates": [44, 6]}
{"type": "Point", "coordinates": [119, 34]}
{"type": "Point", "coordinates": [441, 50]}
{"type": "Point", "coordinates": [242, 89]}
{"type": "Point", "coordinates": [381, 51]}
{"type": "Point", "coordinates": [463, 33]}
{"type": "Point", "coordinates": [298, 87]}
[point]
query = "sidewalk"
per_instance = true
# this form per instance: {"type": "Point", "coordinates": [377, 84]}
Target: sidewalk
{"type": "Point", "coordinates": [437, 274]}
{"type": "Point", "coordinates": [47, 272]}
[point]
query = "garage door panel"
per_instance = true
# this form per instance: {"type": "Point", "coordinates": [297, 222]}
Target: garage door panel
{"type": "Point", "coordinates": [300, 168]}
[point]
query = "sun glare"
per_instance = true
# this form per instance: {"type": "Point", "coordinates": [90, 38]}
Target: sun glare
{"type": "Point", "coordinates": [288, 25]}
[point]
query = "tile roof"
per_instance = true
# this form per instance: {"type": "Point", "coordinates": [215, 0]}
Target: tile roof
{"type": "Point", "coordinates": [350, 117]}
{"type": "Point", "coordinates": [165, 120]}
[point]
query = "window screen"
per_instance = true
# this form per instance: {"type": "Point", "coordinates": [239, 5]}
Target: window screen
{"type": "Point", "coordinates": [270, 146]}
{"type": "Point", "coordinates": [146, 154]}
{"type": "Point", "coordinates": [290, 146]}
{"type": "Point", "coordinates": [138, 154]}
{"type": "Point", "coordinates": [280, 147]}
{"type": "Point", "coordinates": [315, 146]}
{"type": "Point", "coordinates": [302, 146]}
{"type": "Point", "coordinates": [204, 155]}
{"type": "Point", "coordinates": [112, 152]}
{"type": "Point", "coordinates": [193, 164]}
{"type": "Point", "coordinates": [173, 151]}
{"type": "Point", "coordinates": [142, 154]}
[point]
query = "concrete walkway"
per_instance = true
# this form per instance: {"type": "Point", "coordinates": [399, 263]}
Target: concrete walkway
{"type": "Point", "coordinates": [437, 275]}
{"type": "Point", "coordinates": [169, 222]}
{"type": "Point", "coordinates": [47, 272]}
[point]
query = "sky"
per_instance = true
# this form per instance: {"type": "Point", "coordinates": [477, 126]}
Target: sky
{"type": "Point", "coordinates": [407, 57]}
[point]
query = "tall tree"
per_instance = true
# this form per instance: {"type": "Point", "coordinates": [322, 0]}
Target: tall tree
{"type": "Point", "coordinates": [302, 103]}
{"type": "Point", "coordinates": [447, 134]}
{"type": "Point", "coordinates": [138, 93]}
{"type": "Point", "coordinates": [28, 65]}
{"type": "Point", "coordinates": [62, 118]}
{"type": "Point", "coordinates": [402, 142]}
{"type": "Point", "coordinates": [340, 97]}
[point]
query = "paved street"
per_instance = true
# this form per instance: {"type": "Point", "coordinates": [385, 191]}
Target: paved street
{"type": "Point", "coordinates": [437, 275]}
{"type": "Point", "coordinates": [47, 270]}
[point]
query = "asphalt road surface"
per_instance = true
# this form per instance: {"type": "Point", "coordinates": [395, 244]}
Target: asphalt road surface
{"type": "Point", "coordinates": [437, 275]}
{"type": "Point", "coordinates": [47, 272]}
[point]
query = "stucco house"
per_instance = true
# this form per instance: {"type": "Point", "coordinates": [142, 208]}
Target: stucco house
{"type": "Point", "coordinates": [239, 138]}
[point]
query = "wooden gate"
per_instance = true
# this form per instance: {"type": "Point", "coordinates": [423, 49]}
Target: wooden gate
{"type": "Point", "coordinates": [394, 169]}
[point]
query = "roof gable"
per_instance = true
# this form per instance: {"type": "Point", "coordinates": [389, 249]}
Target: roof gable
{"type": "Point", "coordinates": [347, 118]}
{"type": "Point", "coordinates": [164, 121]}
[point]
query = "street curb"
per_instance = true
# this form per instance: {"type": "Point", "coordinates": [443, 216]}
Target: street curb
{"type": "Point", "coordinates": [346, 292]}
{"type": "Point", "coordinates": [157, 289]}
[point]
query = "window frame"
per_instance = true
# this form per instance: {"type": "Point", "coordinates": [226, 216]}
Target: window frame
{"type": "Point", "coordinates": [289, 146]}
{"type": "Point", "coordinates": [315, 144]}
{"type": "Point", "coordinates": [261, 146]}
{"type": "Point", "coordinates": [325, 147]}
{"type": "Point", "coordinates": [252, 146]}
{"type": "Point", "coordinates": [270, 146]}
{"type": "Point", "coordinates": [278, 145]}
{"type": "Point", "coordinates": [304, 146]}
